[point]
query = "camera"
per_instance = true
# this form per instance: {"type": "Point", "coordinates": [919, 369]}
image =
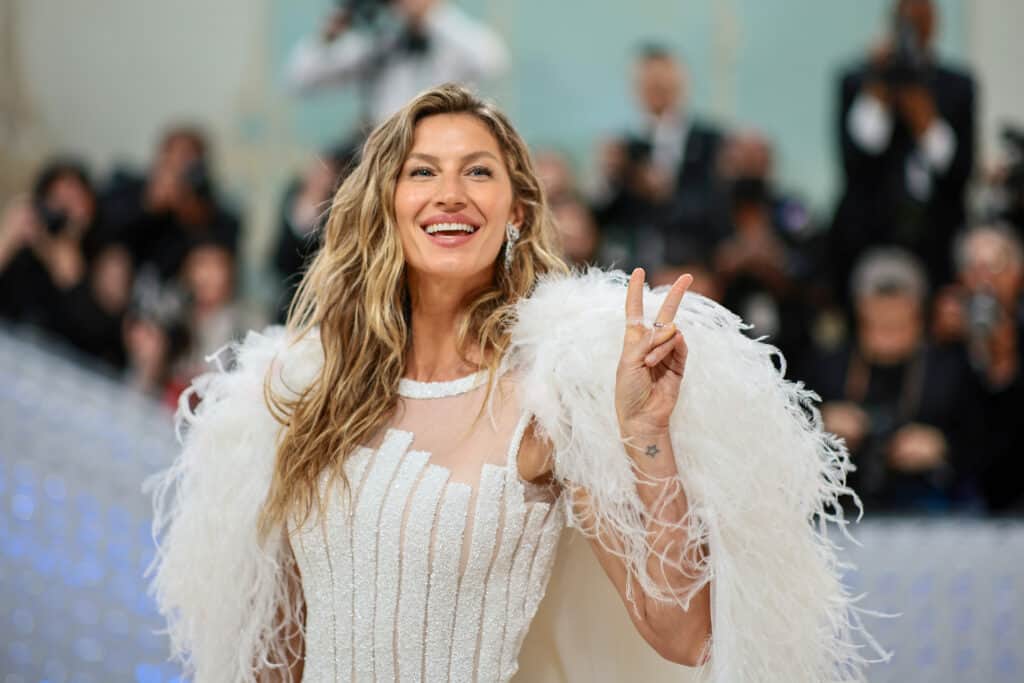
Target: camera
{"type": "Point", "coordinates": [362, 12]}
{"type": "Point", "coordinates": [639, 151]}
{"type": "Point", "coordinates": [197, 179]}
{"type": "Point", "coordinates": [906, 65]}
{"type": "Point", "coordinates": [53, 219]}
{"type": "Point", "coordinates": [982, 310]}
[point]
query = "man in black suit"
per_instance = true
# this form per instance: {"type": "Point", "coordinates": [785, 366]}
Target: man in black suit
{"type": "Point", "coordinates": [659, 189]}
{"type": "Point", "coordinates": [906, 129]}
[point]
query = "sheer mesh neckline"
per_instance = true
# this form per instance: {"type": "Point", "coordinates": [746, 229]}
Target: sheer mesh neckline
{"type": "Point", "coordinates": [411, 388]}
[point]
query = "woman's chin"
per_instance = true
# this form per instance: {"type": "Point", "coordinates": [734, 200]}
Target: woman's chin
{"type": "Point", "coordinates": [456, 267]}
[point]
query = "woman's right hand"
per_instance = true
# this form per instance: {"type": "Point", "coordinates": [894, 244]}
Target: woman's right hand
{"type": "Point", "coordinates": [20, 225]}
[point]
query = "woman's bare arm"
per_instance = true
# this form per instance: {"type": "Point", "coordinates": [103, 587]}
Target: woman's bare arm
{"type": "Point", "coordinates": [681, 636]}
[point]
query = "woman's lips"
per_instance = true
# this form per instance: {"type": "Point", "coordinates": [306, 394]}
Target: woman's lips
{"type": "Point", "coordinates": [450, 230]}
{"type": "Point", "coordinates": [451, 239]}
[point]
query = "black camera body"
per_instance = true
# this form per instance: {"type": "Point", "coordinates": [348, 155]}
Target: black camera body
{"type": "Point", "coordinates": [54, 220]}
{"type": "Point", "coordinates": [363, 12]}
{"type": "Point", "coordinates": [906, 65]}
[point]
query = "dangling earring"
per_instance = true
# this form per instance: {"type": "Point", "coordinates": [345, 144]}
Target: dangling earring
{"type": "Point", "coordinates": [511, 237]}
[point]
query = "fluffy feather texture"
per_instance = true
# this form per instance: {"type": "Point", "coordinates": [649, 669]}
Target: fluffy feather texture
{"type": "Point", "coordinates": [223, 593]}
{"type": "Point", "coordinates": [756, 466]}
{"type": "Point", "coordinates": [761, 475]}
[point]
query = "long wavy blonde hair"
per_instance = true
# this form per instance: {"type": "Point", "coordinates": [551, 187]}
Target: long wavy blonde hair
{"type": "Point", "coordinates": [355, 292]}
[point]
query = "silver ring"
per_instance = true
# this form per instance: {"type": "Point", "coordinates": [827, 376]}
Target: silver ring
{"type": "Point", "coordinates": [658, 325]}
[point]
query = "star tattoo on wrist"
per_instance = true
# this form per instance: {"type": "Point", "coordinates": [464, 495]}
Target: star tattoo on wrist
{"type": "Point", "coordinates": [652, 451]}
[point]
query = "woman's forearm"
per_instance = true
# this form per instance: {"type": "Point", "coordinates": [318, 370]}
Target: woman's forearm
{"type": "Point", "coordinates": [674, 559]}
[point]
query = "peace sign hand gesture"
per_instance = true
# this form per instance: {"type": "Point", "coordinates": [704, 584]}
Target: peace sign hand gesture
{"type": "Point", "coordinates": [653, 359]}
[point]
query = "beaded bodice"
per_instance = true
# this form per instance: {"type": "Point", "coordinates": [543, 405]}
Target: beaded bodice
{"type": "Point", "coordinates": [432, 564]}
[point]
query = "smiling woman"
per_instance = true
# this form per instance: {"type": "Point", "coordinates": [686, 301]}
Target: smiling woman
{"type": "Point", "coordinates": [377, 491]}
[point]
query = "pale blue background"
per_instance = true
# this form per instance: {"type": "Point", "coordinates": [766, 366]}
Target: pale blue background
{"type": "Point", "coordinates": [569, 81]}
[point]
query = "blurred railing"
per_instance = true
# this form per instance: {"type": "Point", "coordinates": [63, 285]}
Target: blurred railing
{"type": "Point", "coordinates": [75, 540]}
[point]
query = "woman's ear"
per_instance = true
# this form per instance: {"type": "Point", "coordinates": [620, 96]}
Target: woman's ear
{"type": "Point", "coordinates": [518, 215]}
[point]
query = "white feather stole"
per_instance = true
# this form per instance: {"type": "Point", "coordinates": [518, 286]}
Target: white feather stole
{"type": "Point", "coordinates": [761, 476]}
{"type": "Point", "coordinates": [223, 593]}
{"type": "Point", "coordinates": [756, 466]}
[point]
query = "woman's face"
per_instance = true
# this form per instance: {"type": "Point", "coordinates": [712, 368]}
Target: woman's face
{"type": "Point", "coordinates": [453, 199]}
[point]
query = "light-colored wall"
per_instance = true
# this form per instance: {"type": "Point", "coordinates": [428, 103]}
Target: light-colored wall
{"type": "Point", "coordinates": [103, 78]}
{"type": "Point", "coordinates": [997, 54]}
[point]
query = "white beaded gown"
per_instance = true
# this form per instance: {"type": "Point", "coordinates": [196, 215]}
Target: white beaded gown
{"type": "Point", "coordinates": [432, 564]}
{"type": "Point", "coordinates": [432, 568]}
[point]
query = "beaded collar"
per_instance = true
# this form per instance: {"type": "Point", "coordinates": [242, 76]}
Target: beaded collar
{"type": "Point", "coordinates": [410, 388]}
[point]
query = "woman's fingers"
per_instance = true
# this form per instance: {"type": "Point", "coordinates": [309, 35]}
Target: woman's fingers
{"type": "Point", "coordinates": [660, 335]}
{"type": "Point", "coordinates": [662, 351]}
{"type": "Point", "coordinates": [669, 307]}
{"type": "Point", "coordinates": [676, 361]}
{"type": "Point", "coordinates": [635, 297]}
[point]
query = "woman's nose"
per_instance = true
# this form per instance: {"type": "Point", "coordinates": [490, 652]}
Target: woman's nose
{"type": "Point", "coordinates": [451, 192]}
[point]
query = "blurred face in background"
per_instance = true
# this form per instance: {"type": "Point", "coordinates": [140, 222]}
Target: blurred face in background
{"type": "Point", "coordinates": [577, 232]}
{"type": "Point", "coordinates": [70, 196]}
{"type": "Point", "coordinates": [992, 263]}
{"type": "Point", "coordinates": [660, 86]}
{"type": "Point", "coordinates": [747, 154]}
{"type": "Point", "coordinates": [921, 15]}
{"type": "Point", "coordinates": [178, 150]}
{"type": "Point", "coordinates": [112, 279]}
{"type": "Point", "coordinates": [452, 200]}
{"type": "Point", "coordinates": [555, 174]}
{"type": "Point", "coordinates": [890, 327]}
{"type": "Point", "coordinates": [208, 274]}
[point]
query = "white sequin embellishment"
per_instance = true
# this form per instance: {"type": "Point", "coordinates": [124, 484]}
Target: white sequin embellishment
{"type": "Point", "coordinates": [388, 565]}
{"type": "Point", "coordinates": [481, 554]}
{"type": "Point", "coordinates": [412, 602]}
{"type": "Point", "coordinates": [401, 608]}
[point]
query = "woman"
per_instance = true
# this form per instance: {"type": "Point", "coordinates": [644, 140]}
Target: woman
{"type": "Point", "coordinates": [444, 399]}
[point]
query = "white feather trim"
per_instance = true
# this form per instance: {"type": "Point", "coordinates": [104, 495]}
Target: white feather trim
{"type": "Point", "coordinates": [760, 474]}
{"type": "Point", "coordinates": [222, 592]}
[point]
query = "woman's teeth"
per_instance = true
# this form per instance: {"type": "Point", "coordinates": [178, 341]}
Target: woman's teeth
{"type": "Point", "coordinates": [450, 227]}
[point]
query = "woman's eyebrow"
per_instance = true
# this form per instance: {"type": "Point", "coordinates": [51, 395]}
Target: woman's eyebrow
{"type": "Point", "coordinates": [430, 158]}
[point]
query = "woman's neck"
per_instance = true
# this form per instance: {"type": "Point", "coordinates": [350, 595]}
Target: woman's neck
{"type": "Point", "coordinates": [437, 310]}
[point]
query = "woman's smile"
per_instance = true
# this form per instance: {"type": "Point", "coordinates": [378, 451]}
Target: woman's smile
{"type": "Point", "coordinates": [450, 230]}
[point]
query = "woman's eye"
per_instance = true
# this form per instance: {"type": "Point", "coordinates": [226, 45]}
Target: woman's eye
{"type": "Point", "coordinates": [480, 171]}
{"type": "Point", "coordinates": [421, 171]}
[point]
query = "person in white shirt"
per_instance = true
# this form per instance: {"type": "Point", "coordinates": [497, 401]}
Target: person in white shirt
{"type": "Point", "coordinates": [658, 183]}
{"type": "Point", "coordinates": [421, 43]}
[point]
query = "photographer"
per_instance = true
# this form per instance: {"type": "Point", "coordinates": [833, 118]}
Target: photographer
{"type": "Point", "coordinates": [906, 128]}
{"type": "Point", "coordinates": [984, 314]}
{"type": "Point", "coordinates": [764, 264]}
{"type": "Point", "coordinates": [396, 49]}
{"type": "Point", "coordinates": [908, 410]}
{"type": "Point", "coordinates": [47, 242]}
{"type": "Point", "coordinates": [659, 184]}
{"type": "Point", "coordinates": [302, 214]}
{"type": "Point", "coordinates": [173, 206]}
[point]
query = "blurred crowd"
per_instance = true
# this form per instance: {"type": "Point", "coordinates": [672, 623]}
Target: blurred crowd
{"type": "Point", "coordinates": [902, 306]}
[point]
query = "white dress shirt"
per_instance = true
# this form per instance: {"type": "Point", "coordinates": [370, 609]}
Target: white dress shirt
{"type": "Point", "coordinates": [459, 49]}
